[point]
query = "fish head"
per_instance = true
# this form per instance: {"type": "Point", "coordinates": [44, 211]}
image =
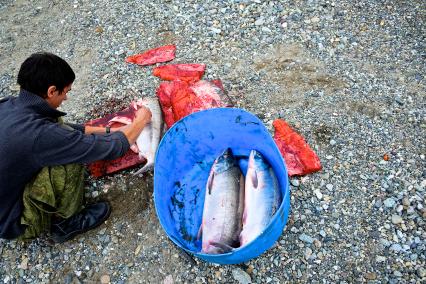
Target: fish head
{"type": "Point", "coordinates": [224, 161]}
{"type": "Point", "coordinates": [257, 161]}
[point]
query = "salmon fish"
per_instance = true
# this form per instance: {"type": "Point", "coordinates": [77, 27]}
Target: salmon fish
{"type": "Point", "coordinates": [223, 206]}
{"type": "Point", "coordinates": [262, 197]}
{"type": "Point", "coordinates": [149, 139]}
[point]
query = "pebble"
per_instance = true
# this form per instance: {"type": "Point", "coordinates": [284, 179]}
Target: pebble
{"type": "Point", "coordinates": [318, 194]}
{"type": "Point", "coordinates": [397, 273]}
{"type": "Point", "coordinates": [370, 276]}
{"type": "Point", "coordinates": [259, 22]}
{"type": "Point", "coordinates": [396, 219]}
{"type": "Point", "coordinates": [329, 186]}
{"type": "Point", "coordinates": [105, 279]}
{"type": "Point", "coordinates": [308, 253]}
{"type": "Point", "coordinates": [241, 276]}
{"type": "Point", "coordinates": [395, 247]}
{"type": "Point", "coordinates": [405, 201]}
{"type": "Point", "coordinates": [421, 272]}
{"type": "Point", "coordinates": [389, 202]}
{"type": "Point", "coordinates": [168, 279]}
{"type": "Point", "coordinates": [24, 263]}
{"type": "Point", "coordinates": [295, 182]}
{"type": "Point", "coordinates": [305, 238]}
{"type": "Point", "coordinates": [315, 20]}
{"type": "Point", "coordinates": [380, 258]}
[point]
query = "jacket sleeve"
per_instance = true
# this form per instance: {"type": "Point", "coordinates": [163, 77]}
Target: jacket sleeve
{"type": "Point", "coordinates": [58, 145]}
{"type": "Point", "coordinates": [79, 127]}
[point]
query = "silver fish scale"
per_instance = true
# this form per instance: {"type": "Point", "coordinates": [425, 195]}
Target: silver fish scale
{"type": "Point", "coordinates": [261, 201]}
{"type": "Point", "coordinates": [223, 210]}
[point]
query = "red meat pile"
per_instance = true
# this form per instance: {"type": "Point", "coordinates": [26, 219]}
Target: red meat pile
{"type": "Point", "coordinates": [183, 93]}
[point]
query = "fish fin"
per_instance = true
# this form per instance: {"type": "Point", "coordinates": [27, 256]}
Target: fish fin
{"type": "Point", "coordinates": [210, 183]}
{"type": "Point", "coordinates": [224, 247]}
{"type": "Point", "coordinates": [254, 179]}
{"type": "Point", "coordinates": [200, 232]}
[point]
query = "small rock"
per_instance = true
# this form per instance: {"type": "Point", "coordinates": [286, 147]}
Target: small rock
{"type": "Point", "coordinates": [318, 194]}
{"type": "Point", "coordinates": [421, 272]}
{"type": "Point", "coordinates": [406, 202]}
{"type": "Point", "coordinates": [105, 279]}
{"type": "Point", "coordinates": [99, 29]}
{"type": "Point", "coordinates": [24, 264]}
{"type": "Point", "coordinates": [216, 30]}
{"type": "Point", "coordinates": [308, 253]}
{"type": "Point", "coordinates": [396, 219]}
{"type": "Point", "coordinates": [397, 273]}
{"type": "Point", "coordinates": [389, 203]}
{"type": "Point", "coordinates": [305, 238]}
{"type": "Point", "coordinates": [168, 280]}
{"type": "Point", "coordinates": [399, 101]}
{"type": "Point", "coordinates": [329, 186]}
{"type": "Point", "coordinates": [395, 247]}
{"type": "Point", "coordinates": [380, 258]}
{"type": "Point", "coordinates": [315, 20]}
{"type": "Point", "coordinates": [259, 22]}
{"type": "Point", "coordinates": [295, 182]}
{"type": "Point", "coordinates": [370, 275]}
{"type": "Point", "coordinates": [241, 276]}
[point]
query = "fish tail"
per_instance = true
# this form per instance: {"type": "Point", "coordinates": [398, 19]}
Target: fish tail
{"type": "Point", "coordinates": [145, 168]}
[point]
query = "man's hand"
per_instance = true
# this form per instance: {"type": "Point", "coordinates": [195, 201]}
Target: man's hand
{"type": "Point", "coordinates": [143, 115]}
{"type": "Point", "coordinates": [132, 131]}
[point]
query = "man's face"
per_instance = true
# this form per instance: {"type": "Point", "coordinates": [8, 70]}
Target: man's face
{"type": "Point", "coordinates": [55, 97]}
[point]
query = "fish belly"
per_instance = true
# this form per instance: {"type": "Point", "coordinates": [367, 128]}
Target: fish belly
{"type": "Point", "coordinates": [260, 204]}
{"type": "Point", "coordinates": [150, 136]}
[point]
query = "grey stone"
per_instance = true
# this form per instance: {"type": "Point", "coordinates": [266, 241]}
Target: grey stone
{"type": "Point", "coordinates": [241, 276]}
{"type": "Point", "coordinates": [395, 247]}
{"type": "Point", "coordinates": [396, 219]}
{"type": "Point", "coordinates": [421, 272]}
{"type": "Point", "coordinates": [389, 202]}
{"type": "Point", "coordinates": [305, 238]}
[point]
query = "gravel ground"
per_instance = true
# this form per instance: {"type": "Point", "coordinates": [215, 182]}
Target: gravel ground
{"type": "Point", "coordinates": [348, 75]}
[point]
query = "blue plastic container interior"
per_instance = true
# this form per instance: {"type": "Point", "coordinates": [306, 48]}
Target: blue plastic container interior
{"type": "Point", "coordinates": [183, 161]}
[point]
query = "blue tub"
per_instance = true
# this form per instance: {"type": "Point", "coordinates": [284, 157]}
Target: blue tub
{"type": "Point", "coordinates": [183, 161]}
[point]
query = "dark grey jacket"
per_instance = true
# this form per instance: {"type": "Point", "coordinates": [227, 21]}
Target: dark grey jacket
{"type": "Point", "coordinates": [30, 139]}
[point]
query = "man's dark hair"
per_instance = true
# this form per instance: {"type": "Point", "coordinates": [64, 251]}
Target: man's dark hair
{"type": "Point", "coordinates": [42, 70]}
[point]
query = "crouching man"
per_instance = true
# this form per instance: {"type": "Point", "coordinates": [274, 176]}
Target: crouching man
{"type": "Point", "coordinates": [41, 157]}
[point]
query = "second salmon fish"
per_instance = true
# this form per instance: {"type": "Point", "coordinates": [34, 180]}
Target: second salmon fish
{"type": "Point", "coordinates": [262, 197]}
{"type": "Point", "coordinates": [223, 206]}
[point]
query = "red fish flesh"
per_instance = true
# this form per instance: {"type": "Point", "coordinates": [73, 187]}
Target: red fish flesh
{"type": "Point", "coordinates": [152, 56]}
{"type": "Point", "coordinates": [179, 98]}
{"type": "Point", "coordinates": [183, 72]}
{"type": "Point", "coordinates": [164, 93]}
{"type": "Point", "coordinates": [299, 158]}
{"type": "Point", "coordinates": [130, 159]}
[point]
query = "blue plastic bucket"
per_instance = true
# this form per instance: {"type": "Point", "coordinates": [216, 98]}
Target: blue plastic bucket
{"type": "Point", "coordinates": [183, 161]}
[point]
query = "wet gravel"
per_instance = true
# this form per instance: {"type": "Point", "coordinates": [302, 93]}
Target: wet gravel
{"type": "Point", "coordinates": [349, 76]}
